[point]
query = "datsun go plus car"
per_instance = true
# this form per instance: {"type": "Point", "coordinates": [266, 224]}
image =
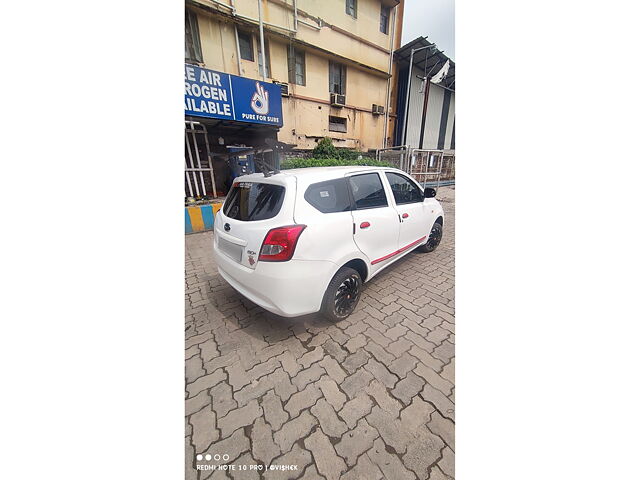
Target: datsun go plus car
{"type": "Point", "coordinates": [306, 240]}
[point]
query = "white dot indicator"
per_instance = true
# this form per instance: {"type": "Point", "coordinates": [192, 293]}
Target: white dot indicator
{"type": "Point", "coordinates": [199, 457]}
{"type": "Point", "coordinates": [208, 456]}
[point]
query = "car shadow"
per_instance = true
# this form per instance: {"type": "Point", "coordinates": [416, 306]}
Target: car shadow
{"type": "Point", "coordinates": [238, 312]}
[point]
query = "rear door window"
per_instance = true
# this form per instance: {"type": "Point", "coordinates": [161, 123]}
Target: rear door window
{"type": "Point", "coordinates": [250, 201]}
{"type": "Point", "coordinates": [329, 197]}
{"type": "Point", "coordinates": [367, 191]}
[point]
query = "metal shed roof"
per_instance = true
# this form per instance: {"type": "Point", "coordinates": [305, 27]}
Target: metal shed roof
{"type": "Point", "coordinates": [432, 58]}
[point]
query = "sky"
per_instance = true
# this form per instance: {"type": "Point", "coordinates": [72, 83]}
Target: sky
{"type": "Point", "coordinates": [433, 19]}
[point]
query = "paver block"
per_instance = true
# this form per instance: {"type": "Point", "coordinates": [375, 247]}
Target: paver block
{"type": "Point", "coordinates": [205, 430]}
{"type": "Point", "coordinates": [389, 428]}
{"type": "Point", "coordinates": [303, 399]}
{"type": "Point", "coordinates": [444, 428]}
{"type": "Point", "coordinates": [308, 376]}
{"type": "Point", "coordinates": [390, 465]}
{"type": "Point", "coordinates": [294, 430]}
{"type": "Point", "coordinates": [264, 448]}
{"type": "Point", "coordinates": [355, 409]}
{"type": "Point", "coordinates": [385, 401]}
{"type": "Point", "coordinates": [403, 364]}
{"type": "Point", "coordinates": [380, 372]}
{"type": "Point", "coordinates": [222, 399]}
{"type": "Point", "coordinates": [364, 470]}
{"type": "Point", "coordinates": [416, 415]}
{"type": "Point", "coordinates": [273, 411]}
{"type": "Point", "coordinates": [329, 422]}
{"type": "Point", "coordinates": [205, 382]}
{"type": "Point", "coordinates": [332, 393]}
{"type": "Point", "coordinates": [355, 361]}
{"type": "Point", "coordinates": [422, 453]}
{"type": "Point", "coordinates": [433, 378]}
{"type": "Point", "coordinates": [328, 463]}
{"type": "Point", "coordinates": [441, 402]}
{"type": "Point", "coordinates": [239, 417]}
{"type": "Point", "coordinates": [357, 441]}
{"type": "Point", "coordinates": [311, 357]}
{"type": "Point", "coordinates": [298, 457]}
{"type": "Point", "coordinates": [356, 382]}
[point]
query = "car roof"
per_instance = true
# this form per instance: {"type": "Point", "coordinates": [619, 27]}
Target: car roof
{"type": "Point", "coordinates": [312, 174]}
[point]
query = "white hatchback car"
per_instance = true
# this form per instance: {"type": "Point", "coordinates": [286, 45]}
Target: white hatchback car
{"type": "Point", "coordinates": [305, 240]}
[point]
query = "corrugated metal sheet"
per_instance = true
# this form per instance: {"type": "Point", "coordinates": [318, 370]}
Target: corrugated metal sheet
{"type": "Point", "coordinates": [452, 116]}
{"type": "Point", "coordinates": [414, 119]}
{"type": "Point", "coordinates": [434, 114]}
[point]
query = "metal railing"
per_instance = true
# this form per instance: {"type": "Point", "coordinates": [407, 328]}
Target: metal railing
{"type": "Point", "coordinates": [428, 167]}
{"type": "Point", "coordinates": [198, 167]}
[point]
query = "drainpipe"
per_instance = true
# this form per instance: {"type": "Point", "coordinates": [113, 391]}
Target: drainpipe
{"type": "Point", "coordinates": [295, 15]}
{"type": "Point", "coordinates": [386, 108]}
{"type": "Point", "coordinates": [264, 64]}
{"type": "Point", "coordinates": [235, 31]}
{"type": "Point", "coordinates": [403, 139]}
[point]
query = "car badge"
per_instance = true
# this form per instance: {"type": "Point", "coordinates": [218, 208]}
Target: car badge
{"type": "Point", "coordinates": [227, 227]}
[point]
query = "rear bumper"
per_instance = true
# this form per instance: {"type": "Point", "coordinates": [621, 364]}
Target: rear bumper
{"type": "Point", "coordinates": [288, 289]}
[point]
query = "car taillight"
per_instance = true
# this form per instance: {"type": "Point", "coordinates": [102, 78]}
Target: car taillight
{"type": "Point", "coordinates": [280, 243]}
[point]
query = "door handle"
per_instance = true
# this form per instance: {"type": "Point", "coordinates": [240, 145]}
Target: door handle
{"type": "Point", "coordinates": [405, 215]}
{"type": "Point", "coordinates": [364, 225]}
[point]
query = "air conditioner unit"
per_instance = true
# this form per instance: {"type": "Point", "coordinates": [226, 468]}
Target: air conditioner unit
{"type": "Point", "coordinates": [337, 100]}
{"type": "Point", "coordinates": [284, 88]}
{"type": "Point", "coordinates": [377, 109]}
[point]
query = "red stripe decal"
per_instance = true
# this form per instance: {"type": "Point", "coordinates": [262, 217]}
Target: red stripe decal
{"type": "Point", "coordinates": [386, 257]}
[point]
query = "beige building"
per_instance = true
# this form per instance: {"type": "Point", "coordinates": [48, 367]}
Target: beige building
{"type": "Point", "coordinates": [332, 58]}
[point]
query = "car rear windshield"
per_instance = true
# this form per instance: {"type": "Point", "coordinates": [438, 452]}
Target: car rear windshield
{"type": "Point", "coordinates": [249, 201]}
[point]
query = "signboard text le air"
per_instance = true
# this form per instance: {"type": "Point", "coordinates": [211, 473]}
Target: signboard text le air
{"type": "Point", "coordinates": [220, 95]}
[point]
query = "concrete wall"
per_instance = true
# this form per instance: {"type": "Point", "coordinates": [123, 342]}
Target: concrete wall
{"type": "Point", "coordinates": [356, 43]}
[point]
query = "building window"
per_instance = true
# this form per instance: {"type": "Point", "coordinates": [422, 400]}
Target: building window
{"type": "Point", "coordinates": [384, 19]}
{"type": "Point", "coordinates": [267, 59]}
{"type": "Point", "coordinates": [246, 45]}
{"type": "Point", "coordinates": [297, 69]}
{"type": "Point", "coordinates": [351, 8]}
{"type": "Point", "coordinates": [192, 49]}
{"type": "Point", "coordinates": [337, 124]}
{"type": "Point", "coordinates": [337, 78]}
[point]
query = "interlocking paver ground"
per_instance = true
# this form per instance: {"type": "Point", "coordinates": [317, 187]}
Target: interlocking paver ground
{"type": "Point", "coordinates": [370, 397]}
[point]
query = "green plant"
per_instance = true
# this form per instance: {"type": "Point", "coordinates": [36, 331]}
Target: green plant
{"type": "Point", "coordinates": [295, 162]}
{"type": "Point", "coordinates": [325, 149]}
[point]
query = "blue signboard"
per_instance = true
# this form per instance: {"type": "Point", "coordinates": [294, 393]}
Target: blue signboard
{"type": "Point", "coordinates": [220, 95]}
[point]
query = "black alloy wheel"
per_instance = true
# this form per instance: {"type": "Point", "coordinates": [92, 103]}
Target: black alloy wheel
{"type": "Point", "coordinates": [347, 296]}
{"type": "Point", "coordinates": [435, 236]}
{"type": "Point", "coordinates": [342, 295]}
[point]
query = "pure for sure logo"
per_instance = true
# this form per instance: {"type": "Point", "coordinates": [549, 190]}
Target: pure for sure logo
{"type": "Point", "coordinates": [260, 100]}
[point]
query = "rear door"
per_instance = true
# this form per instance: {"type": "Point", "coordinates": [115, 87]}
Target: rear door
{"type": "Point", "coordinates": [415, 222]}
{"type": "Point", "coordinates": [251, 209]}
{"type": "Point", "coordinates": [376, 223]}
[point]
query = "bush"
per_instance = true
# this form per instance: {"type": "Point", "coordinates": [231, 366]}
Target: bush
{"type": "Point", "coordinates": [330, 162]}
{"type": "Point", "coordinates": [325, 149]}
{"type": "Point", "coordinates": [326, 155]}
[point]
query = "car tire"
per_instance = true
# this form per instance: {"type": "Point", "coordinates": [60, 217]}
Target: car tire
{"type": "Point", "coordinates": [435, 236]}
{"type": "Point", "coordinates": [346, 283]}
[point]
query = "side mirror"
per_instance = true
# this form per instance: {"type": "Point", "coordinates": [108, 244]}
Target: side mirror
{"type": "Point", "coordinates": [429, 192]}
